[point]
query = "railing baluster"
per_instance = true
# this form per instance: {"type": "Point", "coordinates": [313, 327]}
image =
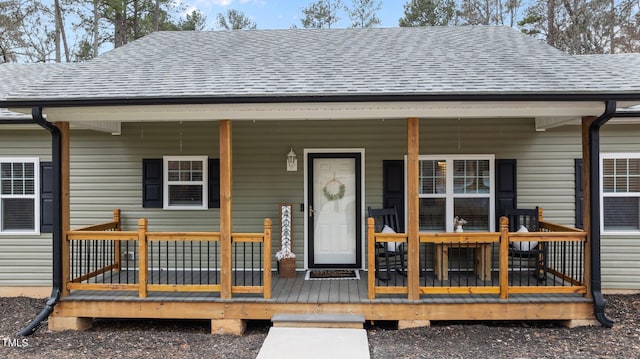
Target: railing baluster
{"type": "Point", "coordinates": [72, 259]}
{"type": "Point", "coordinates": [88, 257]}
{"type": "Point", "coordinates": [95, 259]}
{"type": "Point", "coordinates": [79, 258]}
{"type": "Point", "coordinates": [253, 263]}
{"type": "Point", "coordinates": [235, 263]}
{"type": "Point", "coordinates": [199, 261]}
{"type": "Point", "coordinates": [112, 259]}
{"type": "Point", "coordinates": [168, 266]}
{"type": "Point", "coordinates": [134, 262]}
{"type": "Point", "coordinates": [244, 265]}
{"type": "Point", "coordinates": [260, 247]}
{"type": "Point", "coordinates": [104, 260]}
{"type": "Point", "coordinates": [151, 261]}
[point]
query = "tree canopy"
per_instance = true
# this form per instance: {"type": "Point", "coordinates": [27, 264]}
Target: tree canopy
{"type": "Point", "coordinates": [235, 20]}
{"type": "Point", "coordinates": [429, 13]}
{"type": "Point", "coordinates": [78, 30]}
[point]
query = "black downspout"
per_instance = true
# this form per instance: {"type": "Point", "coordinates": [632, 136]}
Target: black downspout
{"type": "Point", "coordinates": [56, 161]}
{"type": "Point", "coordinates": [594, 212]}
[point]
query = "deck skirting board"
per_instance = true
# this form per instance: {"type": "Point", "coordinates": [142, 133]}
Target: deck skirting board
{"type": "Point", "coordinates": [371, 311]}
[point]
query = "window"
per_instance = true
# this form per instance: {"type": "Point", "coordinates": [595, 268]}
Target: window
{"type": "Point", "coordinates": [460, 186]}
{"type": "Point", "coordinates": [185, 182]}
{"type": "Point", "coordinates": [19, 195]}
{"type": "Point", "coordinates": [620, 206]}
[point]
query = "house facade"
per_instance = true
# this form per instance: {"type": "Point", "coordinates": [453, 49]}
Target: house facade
{"type": "Point", "coordinates": [438, 122]}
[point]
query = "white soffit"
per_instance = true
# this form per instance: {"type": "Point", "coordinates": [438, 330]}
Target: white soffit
{"type": "Point", "coordinates": [545, 123]}
{"type": "Point", "coordinates": [321, 111]}
{"type": "Point", "coordinates": [111, 127]}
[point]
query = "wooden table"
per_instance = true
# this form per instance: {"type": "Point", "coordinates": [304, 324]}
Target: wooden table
{"type": "Point", "coordinates": [481, 259]}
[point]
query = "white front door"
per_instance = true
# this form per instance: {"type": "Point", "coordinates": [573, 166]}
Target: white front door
{"type": "Point", "coordinates": [334, 208]}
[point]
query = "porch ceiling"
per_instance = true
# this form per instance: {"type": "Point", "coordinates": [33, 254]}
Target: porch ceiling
{"type": "Point", "coordinates": [627, 114]}
{"type": "Point", "coordinates": [324, 111]}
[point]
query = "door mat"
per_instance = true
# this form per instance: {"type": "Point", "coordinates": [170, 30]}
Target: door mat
{"type": "Point", "coordinates": [321, 274]}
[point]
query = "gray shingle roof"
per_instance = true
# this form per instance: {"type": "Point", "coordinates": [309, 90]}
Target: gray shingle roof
{"type": "Point", "coordinates": [15, 77]}
{"type": "Point", "coordinates": [470, 60]}
{"type": "Point", "coordinates": [627, 66]}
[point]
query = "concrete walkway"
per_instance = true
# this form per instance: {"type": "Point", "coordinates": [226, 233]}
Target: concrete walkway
{"type": "Point", "coordinates": [311, 343]}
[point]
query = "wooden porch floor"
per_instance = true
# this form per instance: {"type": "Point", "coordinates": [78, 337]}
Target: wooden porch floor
{"type": "Point", "coordinates": [301, 291]}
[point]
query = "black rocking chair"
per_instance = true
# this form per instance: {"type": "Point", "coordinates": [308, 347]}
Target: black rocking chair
{"type": "Point", "coordinates": [392, 251]}
{"type": "Point", "coordinates": [527, 251]}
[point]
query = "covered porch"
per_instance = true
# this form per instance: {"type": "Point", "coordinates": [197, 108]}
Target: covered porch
{"type": "Point", "coordinates": [227, 276]}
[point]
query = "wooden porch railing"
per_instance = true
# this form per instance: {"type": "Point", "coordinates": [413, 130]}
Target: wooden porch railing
{"type": "Point", "coordinates": [564, 266]}
{"type": "Point", "coordinates": [167, 261]}
{"type": "Point", "coordinates": [96, 250]}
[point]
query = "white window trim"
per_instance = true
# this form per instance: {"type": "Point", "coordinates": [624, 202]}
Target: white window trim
{"type": "Point", "coordinates": [204, 182]}
{"type": "Point", "coordinates": [617, 155]}
{"type": "Point", "coordinates": [35, 196]}
{"type": "Point", "coordinates": [449, 186]}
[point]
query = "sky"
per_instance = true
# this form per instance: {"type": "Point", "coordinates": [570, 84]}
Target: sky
{"type": "Point", "coordinates": [282, 14]}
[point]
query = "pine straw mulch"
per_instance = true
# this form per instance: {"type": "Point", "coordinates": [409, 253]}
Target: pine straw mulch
{"type": "Point", "coordinates": [192, 339]}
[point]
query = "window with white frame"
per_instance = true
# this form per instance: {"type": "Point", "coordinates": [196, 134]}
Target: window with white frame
{"type": "Point", "coordinates": [620, 206]}
{"type": "Point", "coordinates": [460, 185]}
{"type": "Point", "coordinates": [19, 195]}
{"type": "Point", "coordinates": [185, 182]}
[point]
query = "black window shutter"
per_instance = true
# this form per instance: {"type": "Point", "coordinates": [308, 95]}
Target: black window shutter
{"type": "Point", "coordinates": [506, 187]}
{"type": "Point", "coordinates": [214, 183]}
{"type": "Point", "coordinates": [579, 193]}
{"type": "Point", "coordinates": [152, 183]}
{"type": "Point", "coordinates": [46, 197]}
{"type": "Point", "coordinates": [393, 187]}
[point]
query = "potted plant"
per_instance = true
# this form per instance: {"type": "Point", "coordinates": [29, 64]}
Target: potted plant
{"type": "Point", "coordinates": [285, 256]}
{"type": "Point", "coordinates": [458, 222]}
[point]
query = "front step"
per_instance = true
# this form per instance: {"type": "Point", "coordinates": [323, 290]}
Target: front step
{"type": "Point", "coordinates": [316, 320]}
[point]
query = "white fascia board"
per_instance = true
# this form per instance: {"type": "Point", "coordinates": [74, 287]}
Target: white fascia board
{"type": "Point", "coordinates": [323, 111]}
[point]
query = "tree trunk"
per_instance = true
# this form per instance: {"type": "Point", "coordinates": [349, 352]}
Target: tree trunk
{"type": "Point", "coordinates": [95, 29]}
{"type": "Point", "coordinates": [56, 10]}
{"type": "Point", "coordinates": [60, 34]}
{"type": "Point", "coordinates": [612, 26]}
{"type": "Point", "coordinates": [551, 23]}
{"type": "Point", "coordinates": [156, 16]}
{"type": "Point", "coordinates": [119, 37]}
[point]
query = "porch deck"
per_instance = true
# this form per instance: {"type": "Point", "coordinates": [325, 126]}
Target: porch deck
{"type": "Point", "coordinates": [345, 291]}
{"type": "Point", "coordinates": [297, 295]}
{"type": "Point", "coordinates": [195, 275]}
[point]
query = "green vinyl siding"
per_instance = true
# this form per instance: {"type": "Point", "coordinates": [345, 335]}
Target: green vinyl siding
{"type": "Point", "coordinates": [106, 173]}
{"type": "Point", "coordinates": [25, 260]}
{"type": "Point", "coordinates": [620, 253]}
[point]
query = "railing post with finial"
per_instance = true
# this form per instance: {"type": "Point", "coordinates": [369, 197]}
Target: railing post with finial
{"type": "Point", "coordinates": [117, 260]}
{"type": "Point", "coordinates": [371, 258]}
{"type": "Point", "coordinates": [142, 254]}
{"type": "Point", "coordinates": [504, 258]}
{"type": "Point", "coordinates": [267, 258]}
